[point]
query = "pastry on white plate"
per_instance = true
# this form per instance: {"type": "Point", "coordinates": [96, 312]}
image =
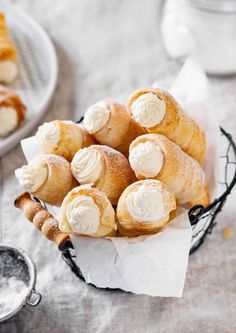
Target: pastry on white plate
{"type": "Point", "coordinates": [8, 54]}
{"type": "Point", "coordinates": [144, 208]}
{"type": "Point", "coordinates": [47, 177]}
{"type": "Point", "coordinates": [12, 111]}
{"type": "Point", "coordinates": [87, 211]}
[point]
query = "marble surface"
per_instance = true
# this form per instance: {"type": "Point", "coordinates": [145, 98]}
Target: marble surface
{"type": "Point", "coordinates": [108, 49]}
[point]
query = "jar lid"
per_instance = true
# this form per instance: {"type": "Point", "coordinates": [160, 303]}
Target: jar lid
{"type": "Point", "coordinates": [219, 6]}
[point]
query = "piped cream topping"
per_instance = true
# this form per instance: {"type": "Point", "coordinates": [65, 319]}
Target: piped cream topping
{"type": "Point", "coordinates": [8, 120]}
{"type": "Point", "coordinates": [96, 117]}
{"type": "Point", "coordinates": [32, 176]}
{"type": "Point", "coordinates": [146, 159]}
{"type": "Point", "coordinates": [87, 165]}
{"type": "Point", "coordinates": [8, 71]}
{"type": "Point", "coordinates": [48, 135]}
{"type": "Point", "coordinates": [146, 204]}
{"type": "Point", "coordinates": [83, 215]}
{"type": "Point", "coordinates": [148, 110]}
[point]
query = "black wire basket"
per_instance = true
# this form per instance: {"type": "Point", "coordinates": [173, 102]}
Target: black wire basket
{"type": "Point", "coordinates": [202, 219]}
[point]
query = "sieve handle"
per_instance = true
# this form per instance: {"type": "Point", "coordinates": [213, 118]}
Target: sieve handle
{"type": "Point", "coordinates": [37, 298]}
{"type": "Point", "coordinates": [42, 219]}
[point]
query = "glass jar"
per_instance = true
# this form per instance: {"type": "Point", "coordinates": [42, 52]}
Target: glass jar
{"type": "Point", "coordinates": [205, 29]}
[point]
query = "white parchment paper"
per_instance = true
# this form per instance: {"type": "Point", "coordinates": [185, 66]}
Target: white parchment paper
{"type": "Point", "coordinates": [154, 265]}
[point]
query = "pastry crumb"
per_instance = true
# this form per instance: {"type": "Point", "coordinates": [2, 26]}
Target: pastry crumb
{"type": "Point", "coordinates": [228, 232]}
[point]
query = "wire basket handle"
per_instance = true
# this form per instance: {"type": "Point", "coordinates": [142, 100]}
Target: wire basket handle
{"type": "Point", "coordinates": [196, 212]}
{"type": "Point", "coordinates": [42, 219]}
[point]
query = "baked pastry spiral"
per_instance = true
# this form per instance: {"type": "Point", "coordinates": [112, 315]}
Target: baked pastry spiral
{"type": "Point", "coordinates": [87, 211]}
{"type": "Point", "coordinates": [105, 168]}
{"type": "Point", "coordinates": [63, 138]}
{"type": "Point", "coordinates": [157, 112]}
{"type": "Point", "coordinates": [155, 156]}
{"type": "Point", "coordinates": [144, 208]}
{"type": "Point", "coordinates": [111, 125]}
{"type": "Point", "coordinates": [8, 54]}
{"type": "Point", "coordinates": [47, 177]}
{"type": "Point", "coordinates": [12, 111]}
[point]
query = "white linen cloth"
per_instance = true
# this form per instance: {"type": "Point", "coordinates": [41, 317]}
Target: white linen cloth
{"type": "Point", "coordinates": [105, 48]}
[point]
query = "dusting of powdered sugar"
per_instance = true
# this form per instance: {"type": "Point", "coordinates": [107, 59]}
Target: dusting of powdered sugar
{"type": "Point", "coordinates": [14, 281]}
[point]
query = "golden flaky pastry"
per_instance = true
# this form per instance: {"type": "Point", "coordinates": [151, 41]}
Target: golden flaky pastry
{"type": "Point", "coordinates": [144, 208]}
{"type": "Point", "coordinates": [47, 177]}
{"type": "Point", "coordinates": [63, 138]}
{"type": "Point", "coordinates": [105, 167]}
{"type": "Point", "coordinates": [87, 211]}
{"type": "Point", "coordinates": [12, 111]}
{"type": "Point", "coordinates": [111, 125]}
{"type": "Point", "coordinates": [155, 156]}
{"type": "Point", "coordinates": [8, 54]}
{"type": "Point", "coordinates": [158, 112]}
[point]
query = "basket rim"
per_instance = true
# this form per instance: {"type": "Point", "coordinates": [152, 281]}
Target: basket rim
{"type": "Point", "coordinates": [195, 214]}
{"type": "Point", "coordinates": [197, 211]}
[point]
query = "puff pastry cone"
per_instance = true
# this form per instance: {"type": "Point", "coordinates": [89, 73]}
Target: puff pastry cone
{"type": "Point", "coordinates": [63, 138]}
{"type": "Point", "coordinates": [155, 156]}
{"type": "Point", "coordinates": [12, 111]}
{"type": "Point", "coordinates": [8, 54]}
{"type": "Point", "coordinates": [144, 208]}
{"type": "Point", "coordinates": [111, 125]}
{"type": "Point", "coordinates": [158, 112]}
{"type": "Point", "coordinates": [104, 167]}
{"type": "Point", "coordinates": [47, 177]}
{"type": "Point", "coordinates": [42, 219]}
{"type": "Point", "coordinates": [87, 211]}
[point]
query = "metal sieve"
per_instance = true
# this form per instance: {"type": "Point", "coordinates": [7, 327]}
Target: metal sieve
{"type": "Point", "coordinates": [16, 262]}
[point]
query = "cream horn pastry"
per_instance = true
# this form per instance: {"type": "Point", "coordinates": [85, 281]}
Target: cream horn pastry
{"type": "Point", "coordinates": [63, 138]}
{"type": "Point", "coordinates": [87, 211]}
{"type": "Point", "coordinates": [155, 156]}
{"type": "Point", "coordinates": [111, 125]}
{"type": "Point", "coordinates": [158, 112]}
{"type": "Point", "coordinates": [47, 177]}
{"type": "Point", "coordinates": [12, 111]}
{"type": "Point", "coordinates": [105, 167]}
{"type": "Point", "coordinates": [144, 208]}
{"type": "Point", "coordinates": [8, 54]}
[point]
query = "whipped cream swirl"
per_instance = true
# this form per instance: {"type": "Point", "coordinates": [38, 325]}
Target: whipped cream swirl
{"type": "Point", "coordinates": [8, 120]}
{"type": "Point", "coordinates": [87, 165]}
{"type": "Point", "coordinates": [146, 159]}
{"type": "Point", "coordinates": [146, 204]}
{"type": "Point", "coordinates": [8, 71]}
{"type": "Point", "coordinates": [48, 135]}
{"type": "Point", "coordinates": [83, 215]}
{"type": "Point", "coordinates": [96, 117]}
{"type": "Point", "coordinates": [32, 176]}
{"type": "Point", "coordinates": [148, 110]}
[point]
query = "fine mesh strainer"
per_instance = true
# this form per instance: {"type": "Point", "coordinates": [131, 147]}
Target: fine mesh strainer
{"type": "Point", "coordinates": [16, 263]}
{"type": "Point", "coordinates": [37, 70]}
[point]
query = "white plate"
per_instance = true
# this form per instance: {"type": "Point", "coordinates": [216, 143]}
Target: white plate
{"type": "Point", "coordinates": [37, 70]}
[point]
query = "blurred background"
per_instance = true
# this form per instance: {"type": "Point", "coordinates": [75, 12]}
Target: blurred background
{"type": "Point", "coordinates": [111, 48]}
